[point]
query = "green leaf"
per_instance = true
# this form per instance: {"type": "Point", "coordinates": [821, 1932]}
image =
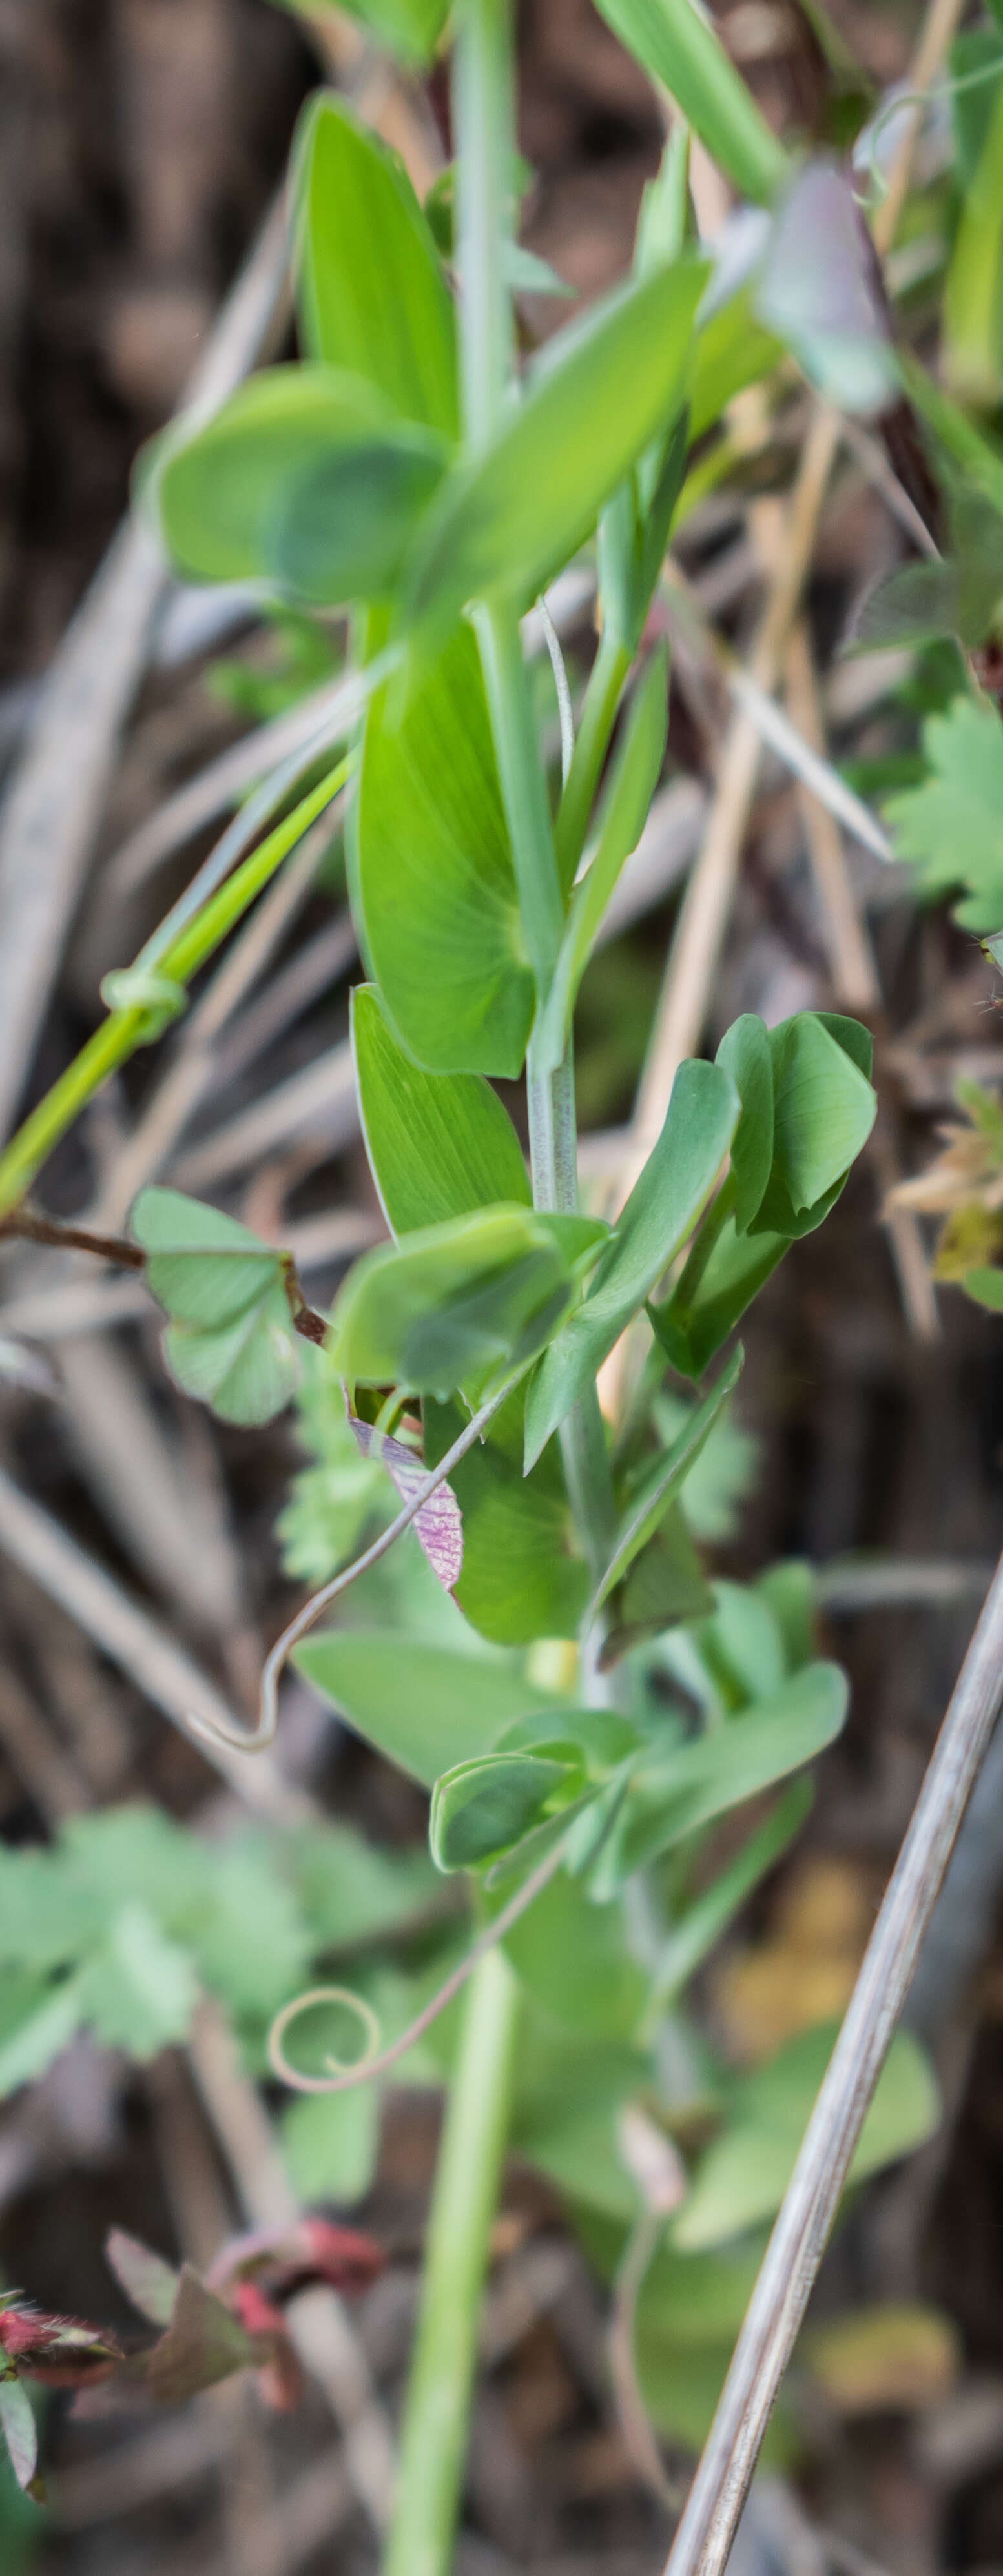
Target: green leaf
{"type": "Point", "coordinates": [372, 295]}
{"type": "Point", "coordinates": [664, 1477]}
{"type": "Point", "coordinates": [745, 1054]}
{"type": "Point", "coordinates": [816, 290]}
{"type": "Point", "coordinates": [304, 477]}
{"type": "Point", "coordinates": [17, 2425]}
{"type": "Point", "coordinates": [519, 1579]}
{"type": "Point", "coordinates": [624, 811]}
{"type": "Point", "coordinates": [573, 1959]}
{"type": "Point", "coordinates": [436, 886]}
{"type": "Point", "coordinates": [330, 2144]}
{"type": "Point", "coordinates": [592, 402]}
{"type": "Point", "coordinates": [230, 1341]}
{"type": "Point", "coordinates": [823, 1110]}
{"type": "Point", "coordinates": [745, 2172]}
{"type": "Point", "coordinates": [351, 1891]}
{"type": "Point", "coordinates": [47, 2029]}
{"type": "Point", "coordinates": [985, 1287]}
{"type": "Point", "coordinates": [439, 1145]}
{"type": "Point", "coordinates": [661, 1211]}
{"type": "Point", "coordinates": [665, 1582]}
{"type": "Point", "coordinates": [698, 1930]}
{"type": "Point", "coordinates": [480, 1808]}
{"type": "Point", "coordinates": [139, 1990]}
{"type": "Point", "coordinates": [950, 826]}
{"type": "Point", "coordinates": [690, 1332]}
{"type": "Point", "coordinates": [457, 1303]}
{"type": "Point", "coordinates": [252, 1946]}
{"type": "Point", "coordinates": [731, 1762]}
{"type": "Point", "coordinates": [408, 28]}
{"type": "Point", "coordinates": [678, 46]}
{"type": "Point", "coordinates": [423, 1706]}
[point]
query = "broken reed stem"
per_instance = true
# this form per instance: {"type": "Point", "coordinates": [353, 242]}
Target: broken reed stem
{"type": "Point", "coordinates": [798, 2241]}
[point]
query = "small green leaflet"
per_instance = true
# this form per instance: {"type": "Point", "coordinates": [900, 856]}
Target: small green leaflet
{"type": "Point", "coordinates": [230, 1339]}
{"type": "Point", "coordinates": [519, 1579]}
{"type": "Point", "coordinates": [17, 2425]}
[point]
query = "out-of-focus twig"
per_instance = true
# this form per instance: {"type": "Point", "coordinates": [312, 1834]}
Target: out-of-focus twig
{"type": "Point", "coordinates": [707, 2529]}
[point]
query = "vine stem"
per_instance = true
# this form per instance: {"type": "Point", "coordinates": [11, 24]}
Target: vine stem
{"type": "Point", "coordinates": [131, 1025]}
{"type": "Point", "coordinates": [471, 2154]}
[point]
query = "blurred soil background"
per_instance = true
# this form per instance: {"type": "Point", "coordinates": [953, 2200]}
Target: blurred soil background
{"type": "Point", "coordinates": [141, 143]}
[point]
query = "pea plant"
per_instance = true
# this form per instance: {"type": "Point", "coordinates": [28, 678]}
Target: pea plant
{"type": "Point", "coordinates": [545, 1654]}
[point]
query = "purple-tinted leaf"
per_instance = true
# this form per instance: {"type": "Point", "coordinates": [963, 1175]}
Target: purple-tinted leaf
{"type": "Point", "coordinates": [150, 2283]}
{"type": "Point", "coordinates": [203, 2343]}
{"type": "Point", "coordinates": [18, 2426]}
{"type": "Point", "coordinates": [438, 1526]}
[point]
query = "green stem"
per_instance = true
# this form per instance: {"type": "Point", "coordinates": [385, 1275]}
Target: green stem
{"type": "Point", "coordinates": [132, 1026]}
{"type": "Point", "coordinates": [523, 787]}
{"type": "Point", "coordinates": [602, 697]}
{"type": "Point", "coordinates": [433, 2438]}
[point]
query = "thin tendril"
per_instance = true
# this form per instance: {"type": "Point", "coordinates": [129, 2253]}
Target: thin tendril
{"type": "Point", "coordinates": [919, 98]}
{"type": "Point", "coordinates": [564, 707]}
{"type": "Point", "coordinates": [370, 2065]}
{"type": "Point", "coordinates": [215, 1730]}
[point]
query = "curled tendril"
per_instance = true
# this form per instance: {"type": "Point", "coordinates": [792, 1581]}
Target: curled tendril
{"type": "Point", "coordinates": [564, 707]}
{"type": "Point", "coordinates": [941, 90]}
{"type": "Point", "coordinates": [335, 2066]}
{"type": "Point", "coordinates": [375, 2061]}
{"type": "Point", "coordinates": [213, 1730]}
